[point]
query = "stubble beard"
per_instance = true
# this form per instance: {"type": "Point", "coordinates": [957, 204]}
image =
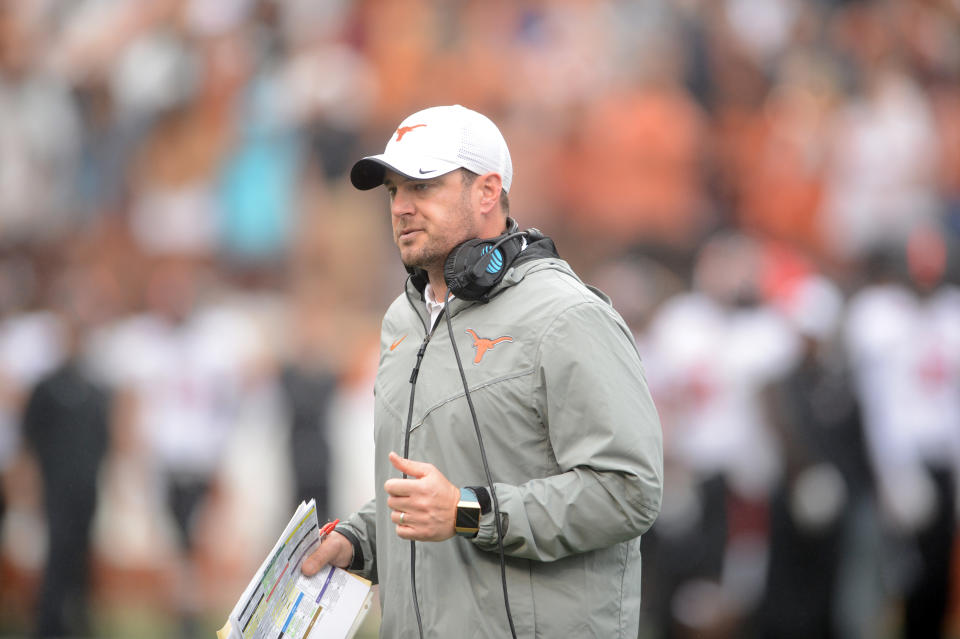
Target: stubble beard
{"type": "Point", "coordinates": [432, 255]}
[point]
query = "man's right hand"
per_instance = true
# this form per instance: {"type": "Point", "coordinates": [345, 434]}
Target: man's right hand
{"type": "Point", "coordinates": [334, 549]}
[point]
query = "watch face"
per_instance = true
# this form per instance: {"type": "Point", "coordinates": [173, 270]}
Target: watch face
{"type": "Point", "coordinates": [468, 517]}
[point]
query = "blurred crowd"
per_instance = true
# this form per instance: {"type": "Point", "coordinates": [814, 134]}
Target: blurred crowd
{"type": "Point", "coordinates": [190, 290]}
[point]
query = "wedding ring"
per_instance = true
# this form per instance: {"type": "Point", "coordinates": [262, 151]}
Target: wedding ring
{"type": "Point", "coordinates": [401, 517]}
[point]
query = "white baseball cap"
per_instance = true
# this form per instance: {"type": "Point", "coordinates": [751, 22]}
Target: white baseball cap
{"type": "Point", "coordinates": [435, 141]}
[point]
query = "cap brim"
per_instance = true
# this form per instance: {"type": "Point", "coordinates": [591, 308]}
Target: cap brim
{"type": "Point", "coordinates": [368, 173]}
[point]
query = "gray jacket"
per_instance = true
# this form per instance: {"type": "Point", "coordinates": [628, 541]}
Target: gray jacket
{"type": "Point", "coordinates": [574, 446]}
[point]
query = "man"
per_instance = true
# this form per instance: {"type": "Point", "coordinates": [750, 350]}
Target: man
{"type": "Point", "coordinates": [903, 335]}
{"type": "Point", "coordinates": [570, 432]}
{"type": "Point", "coordinates": [66, 421]}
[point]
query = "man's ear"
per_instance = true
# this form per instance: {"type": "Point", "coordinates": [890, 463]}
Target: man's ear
{"type": "Point", "coordinates": [488, 187]}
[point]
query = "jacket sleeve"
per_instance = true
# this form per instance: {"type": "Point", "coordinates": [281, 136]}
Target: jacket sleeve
{"type": "Point", "coordinates": [361, 529]}
{"type": "Point", "coordinates": [593, 399]}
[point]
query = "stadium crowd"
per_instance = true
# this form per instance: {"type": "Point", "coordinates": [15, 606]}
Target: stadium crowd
{"type": "Point", "coordinates": [190, 290]}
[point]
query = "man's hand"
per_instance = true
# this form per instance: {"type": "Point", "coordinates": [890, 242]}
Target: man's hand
{"type": "Point", "coordinates": [425, 504]}
{"type": "Point", "coordinates": [334, 549]}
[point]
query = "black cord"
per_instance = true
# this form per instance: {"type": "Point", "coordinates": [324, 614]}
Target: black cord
{"type": "Point", "coordinates": [486, 470]}
{"type": "Point", "coordinates": [406, 455]}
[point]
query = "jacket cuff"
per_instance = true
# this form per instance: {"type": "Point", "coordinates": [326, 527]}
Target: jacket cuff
{"type": "Point", "coordinates": [357, 563]}
{"type": "Point", "coordinates": [486, 537]}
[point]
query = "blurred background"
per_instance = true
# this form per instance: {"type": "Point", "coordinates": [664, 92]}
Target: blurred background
{"type": "Point", "coordinates": [190, 289]}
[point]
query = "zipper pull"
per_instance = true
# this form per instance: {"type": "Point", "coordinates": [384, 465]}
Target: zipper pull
{"type": "Point", "coordinates": [420, 352]}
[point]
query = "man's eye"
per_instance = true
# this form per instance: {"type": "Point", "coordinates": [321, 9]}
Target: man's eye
{"type": "Point", "coordinates": [421, 186]}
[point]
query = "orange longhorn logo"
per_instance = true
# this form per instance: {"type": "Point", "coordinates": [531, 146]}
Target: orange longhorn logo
{"type": "Point", "coordinates": [482, 344]}
{"type": "Point", "coordinates": [402, 131]}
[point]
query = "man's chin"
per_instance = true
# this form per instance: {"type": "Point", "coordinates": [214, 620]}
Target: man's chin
{"type": "Point", "coordinates": [411, 260]}
{"type": "Point", "coordinates": [419, 262]}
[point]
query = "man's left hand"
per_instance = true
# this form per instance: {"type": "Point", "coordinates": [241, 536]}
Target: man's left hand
{"type": "Point", "coordinates": [424, 506]}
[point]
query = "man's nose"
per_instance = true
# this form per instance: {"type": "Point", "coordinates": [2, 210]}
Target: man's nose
{"type": "Point", "coordinates": [401, 204]}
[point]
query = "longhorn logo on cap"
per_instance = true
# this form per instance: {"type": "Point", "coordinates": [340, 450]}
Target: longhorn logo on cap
{"type": "Point", "coordinates": [402, 131]}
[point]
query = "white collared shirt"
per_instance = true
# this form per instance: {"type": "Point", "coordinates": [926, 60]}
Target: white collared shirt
{"type": "Point", "coordinates": [433, 307]}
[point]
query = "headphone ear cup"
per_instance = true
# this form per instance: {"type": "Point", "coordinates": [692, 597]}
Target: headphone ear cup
{"type": "Point", "coordinates": [456, 270]}
{"type": "Point", "coordinates": [470, 273]}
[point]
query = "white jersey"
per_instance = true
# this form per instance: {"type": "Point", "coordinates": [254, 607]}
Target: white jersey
{"type": "Point", "coordinates": [187, 379]}
{"type": "Point", "coordinates": [709, 364]}
{"type": "Point", "coordinates": [31, 345]}
{"type": "Point", "coordinates": [905, 352]}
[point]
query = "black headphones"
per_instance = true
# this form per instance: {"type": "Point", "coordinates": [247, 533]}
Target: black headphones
{"type": "Point", "coordinates": [474, 267]}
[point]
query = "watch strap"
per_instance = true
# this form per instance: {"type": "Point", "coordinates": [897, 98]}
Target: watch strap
{"type": "Point", "coordinates": [483, 497]}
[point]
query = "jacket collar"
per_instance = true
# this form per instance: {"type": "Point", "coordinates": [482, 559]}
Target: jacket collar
{"type": "Point", "coordinates": [540, 252]}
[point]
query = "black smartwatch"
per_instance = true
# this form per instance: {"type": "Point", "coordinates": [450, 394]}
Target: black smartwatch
{"type": "Point", "coordinates": [468, 514]}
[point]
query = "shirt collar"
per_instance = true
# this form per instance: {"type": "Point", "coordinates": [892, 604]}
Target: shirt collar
{"type": "Point", "coordinates": [434, 308]}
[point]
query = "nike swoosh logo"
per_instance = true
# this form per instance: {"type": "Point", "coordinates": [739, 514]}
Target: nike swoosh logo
{"type": "Point", "coordinates": [422, 172]}
{"type": "Point", "coordinates": [397, 343]}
